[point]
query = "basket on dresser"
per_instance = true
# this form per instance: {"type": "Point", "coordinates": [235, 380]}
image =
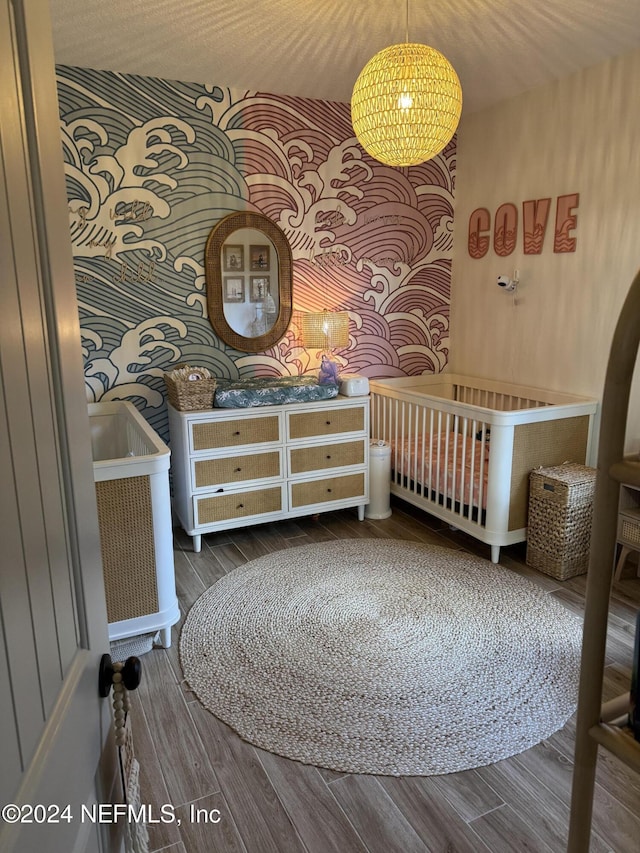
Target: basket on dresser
{"type": "Point", "coordinates": [190, 388]}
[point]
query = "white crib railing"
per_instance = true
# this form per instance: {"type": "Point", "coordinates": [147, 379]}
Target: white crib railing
{"type": "Point", "coordinates": [492, 399]}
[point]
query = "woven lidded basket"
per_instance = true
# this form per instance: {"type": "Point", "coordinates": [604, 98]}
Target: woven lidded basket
{"type": "Point", "coordinates": [190, 388]}
{"type": "Point", "coordinates": [559, 524]}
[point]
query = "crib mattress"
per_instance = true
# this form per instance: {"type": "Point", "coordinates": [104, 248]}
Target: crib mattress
{"type": "Point", "coordinates": [270, 391]}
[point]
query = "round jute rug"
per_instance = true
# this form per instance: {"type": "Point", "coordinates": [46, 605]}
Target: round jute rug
{"type": "Point", "coordinates": [383, 656]}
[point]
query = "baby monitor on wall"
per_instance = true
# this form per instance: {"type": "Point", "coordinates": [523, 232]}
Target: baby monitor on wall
{"type": "Point", "coordinates": [507, 283]}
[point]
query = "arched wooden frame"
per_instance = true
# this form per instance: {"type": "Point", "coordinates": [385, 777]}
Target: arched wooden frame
{"type": "Point", "coordinates": [218, 236]}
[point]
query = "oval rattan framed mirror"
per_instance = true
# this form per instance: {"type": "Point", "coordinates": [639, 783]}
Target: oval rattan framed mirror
{"type": "Point", "coordinates": [249, 273]}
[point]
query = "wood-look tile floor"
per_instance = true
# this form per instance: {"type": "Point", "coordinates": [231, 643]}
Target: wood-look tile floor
{"type": "Point", "coordinates": [269, 804]}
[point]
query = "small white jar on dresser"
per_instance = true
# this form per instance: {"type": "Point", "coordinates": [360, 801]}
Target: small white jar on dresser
{"type": "Point", "coordinates": [237, 467]}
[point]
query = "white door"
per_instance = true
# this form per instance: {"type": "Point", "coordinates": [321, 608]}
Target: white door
{"type": "Point", "coordinates": [52, 612]}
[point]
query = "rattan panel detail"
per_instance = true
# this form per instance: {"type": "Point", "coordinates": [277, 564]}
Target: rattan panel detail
{"type": "Point", "coordinates": [327, 456]}
{"type": "Point", "coordinates": [331, 489]}
{"type": "Point", "coordinates": [256, 466]}
{"type": "Point", "coordinates": [125, 516]}
{"type": "Point", "coordinates": [328, 422]}
{"type": "Point", "coordinates": [629, 531]}
{"type": "Point", "coordinates": [234, 433]}
{"type": "Point", "coordinates": [546, 443]}
{"type": "Point", "coordinates": [238, 505]}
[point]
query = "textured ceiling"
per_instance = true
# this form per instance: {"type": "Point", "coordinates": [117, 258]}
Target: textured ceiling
{"type": "Point", "coordinates": [316, 48]}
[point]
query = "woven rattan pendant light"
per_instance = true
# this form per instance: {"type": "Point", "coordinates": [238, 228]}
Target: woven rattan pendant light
{"type": "Point", "coordinates": [406, 104]}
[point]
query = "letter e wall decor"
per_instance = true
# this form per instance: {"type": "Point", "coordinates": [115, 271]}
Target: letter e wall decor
{"type": "Point", "coordinates": [565, 222]}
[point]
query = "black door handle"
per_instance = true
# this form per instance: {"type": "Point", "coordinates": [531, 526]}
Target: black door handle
{"type": "Point", "coordinates": [131, 674]}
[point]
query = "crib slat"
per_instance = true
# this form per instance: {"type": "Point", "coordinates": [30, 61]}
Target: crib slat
{"type": "Point", "coordinates": [447, 435]}
{"type": "Point", "coordinates": [482, 466]}
{"type": "Point", "coordinates": [424, 447]}
{"type": "Point", "coordinates": [454, 461]}
{"type": "Point", "coordinates": [401, 439]}
{"type": "Point", "coordinates": [439, 451]}
{"type": "Point", "coordinates": [398, 421]}
{"type": "Point", "coordinates": [463, 454]}
{"type": "Point", "coordinates": [414, 450]}
{"type": "Point", "coordinates": [474, 428]}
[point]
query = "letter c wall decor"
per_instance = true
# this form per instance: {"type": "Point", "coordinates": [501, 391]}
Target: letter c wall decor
{"type": "Point", "coordinates": [479, 226]}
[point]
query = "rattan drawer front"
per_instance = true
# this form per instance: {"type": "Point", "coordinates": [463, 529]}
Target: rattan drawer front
{"type": "Point", "coordinates": [254, 466]}
{"type": "Point", "coordinates": [234, 433]}
{"type": "Point", "coordinates": [629, 529]}
{"type": "Point", "coordinates": [305, 459]}
{"type": "Point", "coordinates": [226, 507]}
{"type": "Point", "coordinates": [326, 422]}
{"type": "Point", "coordinates": [330, 489]}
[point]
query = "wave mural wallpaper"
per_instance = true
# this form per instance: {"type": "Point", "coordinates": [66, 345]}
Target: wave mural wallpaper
{"type": "Point", "coordinates": [152, 165]}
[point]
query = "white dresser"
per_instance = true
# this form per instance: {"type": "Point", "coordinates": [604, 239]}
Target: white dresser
{"type": "Point", "coordinates": [236, 467]}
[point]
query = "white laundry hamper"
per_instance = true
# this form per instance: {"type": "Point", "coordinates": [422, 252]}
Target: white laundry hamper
{"type": "Point", "coordinates": [379, 505]}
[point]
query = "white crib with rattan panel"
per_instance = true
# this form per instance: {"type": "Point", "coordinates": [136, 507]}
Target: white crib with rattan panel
{"type": "Point", "coordinates": [462, 448]}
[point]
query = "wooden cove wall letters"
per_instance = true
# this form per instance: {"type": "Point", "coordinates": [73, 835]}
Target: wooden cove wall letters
{"type": "Point", "coordinates": [535, 214]}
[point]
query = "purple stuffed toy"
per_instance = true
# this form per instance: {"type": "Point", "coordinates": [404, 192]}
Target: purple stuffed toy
{"type": "Point", "coordinates": [328, 372]}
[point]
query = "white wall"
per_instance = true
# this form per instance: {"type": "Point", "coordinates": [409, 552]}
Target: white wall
{"type": "Point", "coordinates": [580, 134]}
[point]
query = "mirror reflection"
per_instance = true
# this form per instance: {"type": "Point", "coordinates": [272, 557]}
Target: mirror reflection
{"type": "Point", "coordinates": [249, 271]}
{"type": "Point", "coordinates": [250, 278]}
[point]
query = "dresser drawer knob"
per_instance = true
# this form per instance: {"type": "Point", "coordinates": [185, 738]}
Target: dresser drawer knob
{"type": "Point", "coordinates": [240, 506]}
{"type": "Point", "coordinates": [238, 470]}
{"type": "Point", "coordinates": [237, 432]}
{"type": "Point", "coordinates": [328, 490]}
{"type": "Point", "coordinates": [328, 423]}
{"type": "Point", "coordinates": [328, 456]}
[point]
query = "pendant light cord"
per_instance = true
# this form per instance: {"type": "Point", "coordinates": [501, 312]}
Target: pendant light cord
{"type": "Point", "coordinates": [406, 32]}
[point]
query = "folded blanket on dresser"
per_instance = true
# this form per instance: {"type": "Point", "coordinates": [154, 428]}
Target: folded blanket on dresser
{"type": "Point", "coordinates": [270, 391]}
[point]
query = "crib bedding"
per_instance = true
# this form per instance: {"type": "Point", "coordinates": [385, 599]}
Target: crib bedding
{"type": "Point", "coordinates": [452, 464]}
